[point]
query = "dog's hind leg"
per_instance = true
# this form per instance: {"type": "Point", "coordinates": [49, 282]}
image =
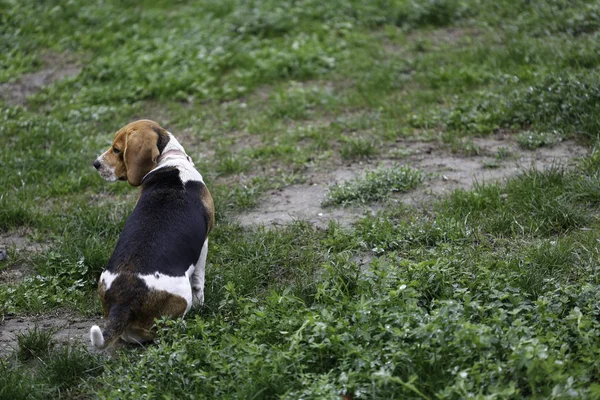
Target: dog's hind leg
{"type": "Point", "coordinates": [197, 280]}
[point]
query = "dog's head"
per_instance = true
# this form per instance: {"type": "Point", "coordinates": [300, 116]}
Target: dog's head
{"type": "Point", "coordinates": [133, 153]}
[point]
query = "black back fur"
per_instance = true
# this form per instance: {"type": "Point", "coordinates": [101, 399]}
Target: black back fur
{"type": "Point", "coordinates": [166, 230]}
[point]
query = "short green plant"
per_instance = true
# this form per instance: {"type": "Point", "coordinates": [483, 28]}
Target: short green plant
{"type": "Point", "coordinates": [297, 102]}
{"type": "Point", "coordinates": [563, 102]}
{"type": "Point", "coordinates": [466, 147]}
{"type": "Point", "coordinates": [503, 153]}
{"type": "Point", "coordinates": [492, 164]}
{"type": "Point", "coordinates": [533, 203]}
{"type": "Point", "coordinates": [231, 164]}
{"type": "Point", "coordinates": [34, 343]}
{"type": "Point", "coordinates": [376, 185]}
{"type": "Point", "coordinates": [357, 148]}
{"type": "Point", "coordinates": [533, 140]}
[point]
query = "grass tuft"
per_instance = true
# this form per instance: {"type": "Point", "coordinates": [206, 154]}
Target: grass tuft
{"type": "Point", "coordinates": [68, 366]}
{"type": "Point", "coordinates": [250, 264]}
{"type": "Point", "coordinates": [231, 164]}
{"type": "Point", "coordinates": [34, 343]}
{"type": "Point", "coordinates": [376, 185]}
{"type": "Point", "coordinates": [353, 149]}
{"type": "Point", "coordinates": [532, 140]}
{"type": "Point", "coordinates": [541, 265]}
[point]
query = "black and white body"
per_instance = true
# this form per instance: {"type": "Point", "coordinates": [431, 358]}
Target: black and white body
{"type": "Point", "coordinates": [158, 265]}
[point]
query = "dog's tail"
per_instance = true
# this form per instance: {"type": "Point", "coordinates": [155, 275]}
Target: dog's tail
{"type": "Point", "coordinates": [118, 319]}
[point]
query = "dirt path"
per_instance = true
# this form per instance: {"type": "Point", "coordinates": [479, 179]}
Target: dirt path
{"type": "Point", "coordinates": [56, 67]}
{"type": "Point", "coordinates": [445, 171]}
{"type": "Point", "coordinates": [68, 328]}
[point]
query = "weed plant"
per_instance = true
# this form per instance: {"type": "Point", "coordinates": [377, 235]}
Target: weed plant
{"type": "Point", "coordinates": [376, 185]}
{"type": "Point", "coordinates": [357, 148]}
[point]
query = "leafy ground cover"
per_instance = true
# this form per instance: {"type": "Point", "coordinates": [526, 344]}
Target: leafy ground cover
{"type": "Point", "coordinates": [489, 291]}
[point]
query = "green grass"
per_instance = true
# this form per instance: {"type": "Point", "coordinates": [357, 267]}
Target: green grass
{"type": "Point", "coordinates": [534, 203]}
{"type": "Point", "coordinates": [12, 383]}
{"type": "Point", "coordinates": [61, 372]}
{"type": "Point", "coordinates": [69, 367]}
{"type": "Point", "coordinates": [490, 292]}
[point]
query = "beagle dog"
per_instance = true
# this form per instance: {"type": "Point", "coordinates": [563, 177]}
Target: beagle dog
{"type": "Point", "coordinates": [157, 267]}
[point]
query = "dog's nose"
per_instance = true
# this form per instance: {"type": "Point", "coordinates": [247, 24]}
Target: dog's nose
{"type": "Point", "coordinates": [96, 164]}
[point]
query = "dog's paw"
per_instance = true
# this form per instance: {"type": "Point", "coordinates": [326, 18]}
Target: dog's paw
{"type": "Point", "coordinates": [197, 297]}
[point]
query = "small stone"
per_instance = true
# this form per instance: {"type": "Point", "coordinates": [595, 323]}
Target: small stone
{"type": "Point", "coordinates": [3, 255]}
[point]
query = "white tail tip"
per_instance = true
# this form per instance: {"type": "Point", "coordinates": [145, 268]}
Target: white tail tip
{"type": "Point", "coordinates": [96, 336]}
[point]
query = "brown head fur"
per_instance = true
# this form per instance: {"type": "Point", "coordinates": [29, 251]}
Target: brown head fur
{"type": "Point", "coordinates": [134, 150]}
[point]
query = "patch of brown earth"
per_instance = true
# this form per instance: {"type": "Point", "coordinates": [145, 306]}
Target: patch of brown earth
{"type": "Point", "coordinates": [16, 242]}
{"type": "Point", "coordinates": [245, 141]}
{"type": "Point", "coordinates": [444, 172]}
{"type": "Point", "coordinates": [115, 200]}
{"type": "Point", "coordinates": [454, 36]}
{"type": "Point", "coordinates": [20, 240]}
{"type": "Point", "coordinates": [14, 274]}
{"type": "Point", "coordinates": [56, 67]}
{"type": "Point", "coordinates": [67, 327]}
{"type": "Point", "coordinates": [449, 171]}
{"type": "Point", "coordinates": [298, 202]}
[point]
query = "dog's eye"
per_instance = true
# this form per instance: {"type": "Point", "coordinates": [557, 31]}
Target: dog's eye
{"type": "Point", "coordinates": [116, 151]}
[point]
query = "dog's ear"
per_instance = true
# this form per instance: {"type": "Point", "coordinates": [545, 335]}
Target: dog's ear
{"type": "Point", "coordinates": [140, 155]}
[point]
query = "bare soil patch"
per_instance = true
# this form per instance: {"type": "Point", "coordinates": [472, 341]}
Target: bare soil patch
{"type": "Point", "coordinates": [56, 67]}
{"type": "Point", "coordinates": [451, 171]}
{"type": "Point", "coordinates": [68, 328]}
{"type": "Point", "coordinates": [14, 274]}
{"type": "Point", "coordinates": [445, 172]}
{"type": "Point", "coordinates": [454, 36]}
{"type": "Point", "coordinates": [19, 240]}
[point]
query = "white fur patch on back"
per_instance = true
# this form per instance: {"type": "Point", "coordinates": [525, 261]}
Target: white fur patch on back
{"type": "Point", "coordinates": [177, 285]}
{"type": "Point", "coordinates": [187, 172]}
{"type": "Point", "coordinates": [108, 277]}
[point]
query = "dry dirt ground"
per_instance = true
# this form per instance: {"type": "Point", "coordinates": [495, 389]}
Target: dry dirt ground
{"type": "Point", "coordinates": [68, 328]}
{"type": "Point", "coordinates": [56, 67]}
{"type": "Point", "coordinates": [444, 171]}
